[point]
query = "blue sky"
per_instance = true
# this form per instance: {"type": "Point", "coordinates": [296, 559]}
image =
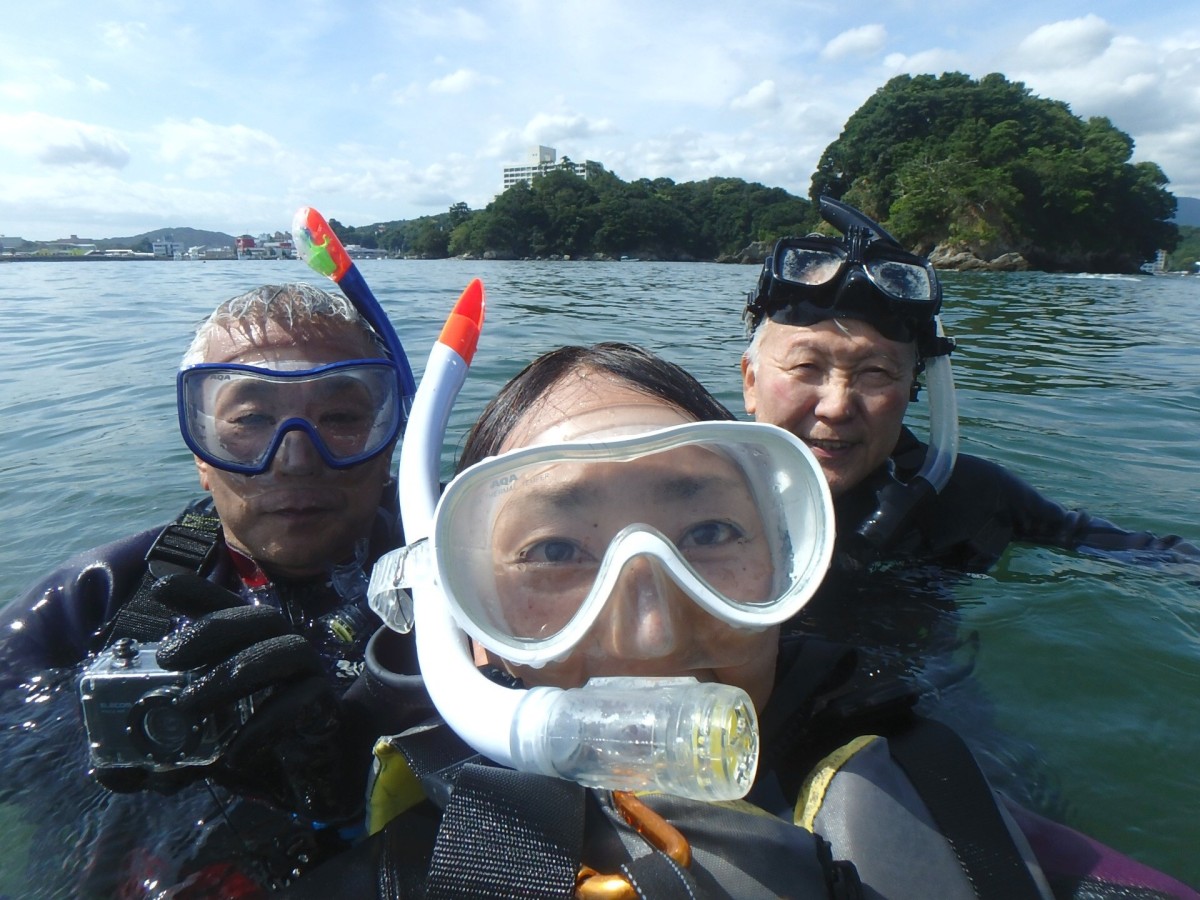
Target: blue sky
{"type": "Point", "coordinates": [119, 117]}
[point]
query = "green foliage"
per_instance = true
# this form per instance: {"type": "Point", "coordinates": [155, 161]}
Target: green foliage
{"type": "Point", "coordinates": [562, 214]}
{"type": "Point", "coordinates": [989, 166]}
{"type": "Point", "coordinates": [1187, 254]}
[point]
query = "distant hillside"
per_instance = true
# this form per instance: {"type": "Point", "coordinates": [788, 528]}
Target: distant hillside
{"type": "Point", "coordinates": [1188, 211]}
{"type": "Point", "coordinates": [189, 237]}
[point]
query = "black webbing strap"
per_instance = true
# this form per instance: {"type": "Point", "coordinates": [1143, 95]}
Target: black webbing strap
{"type": "Point", "coordinates": [949, 781]}
{"type": "Point", "coordinates": [508, 834]}
{"type": "Point", "coordinates": [189, 544]}
{"type": "Point", "coordinates": [656, 876]}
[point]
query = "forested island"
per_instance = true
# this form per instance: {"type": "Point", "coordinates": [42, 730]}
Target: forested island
{"type": "Point", "coordinates": [980, 174]}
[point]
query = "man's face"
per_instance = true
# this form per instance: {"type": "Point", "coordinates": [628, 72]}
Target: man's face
{"type": "Point", "coordinates": [299, 517]}
{"type": "Point", "coordinates": [839, 386]}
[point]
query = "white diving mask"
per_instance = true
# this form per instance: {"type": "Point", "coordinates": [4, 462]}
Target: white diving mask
{"type": "Point", "coordinates": [528, 548]}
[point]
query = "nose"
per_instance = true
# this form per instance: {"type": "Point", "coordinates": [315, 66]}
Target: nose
{"type": "Point", "coordinates": [644, 618]}
{"type": "Point", "coordinates": [296, 455]}
{"type": "Point", "coordinates": [836, 398]}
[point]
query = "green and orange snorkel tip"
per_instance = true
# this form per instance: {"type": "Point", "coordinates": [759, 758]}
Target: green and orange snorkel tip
{"type": "Point", "coordinates": [324, 253]}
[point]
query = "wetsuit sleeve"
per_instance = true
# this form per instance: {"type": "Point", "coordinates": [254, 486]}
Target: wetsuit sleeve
{"type": "Point", "coordinates": [52, 624]}
{"type": "Point", "coordinates": [985, 507]}
{"type": "Point", "coordinates": [1035, 519]}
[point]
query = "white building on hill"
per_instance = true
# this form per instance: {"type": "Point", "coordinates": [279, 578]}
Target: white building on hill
{"type": "Point", "coordinates": [541, 160]}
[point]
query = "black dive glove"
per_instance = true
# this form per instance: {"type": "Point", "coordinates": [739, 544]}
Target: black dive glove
{"type": "Point", "coordinates": [245, 662]}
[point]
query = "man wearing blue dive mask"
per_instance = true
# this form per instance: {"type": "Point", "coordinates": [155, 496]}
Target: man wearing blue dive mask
{"type": "Point", "coordinates": [842, 327]}
{"type": "Point", "coordinates": [292, 403]}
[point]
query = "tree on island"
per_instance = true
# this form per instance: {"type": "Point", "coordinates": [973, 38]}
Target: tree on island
{"type": "Point", "coordinates": [988, 167]}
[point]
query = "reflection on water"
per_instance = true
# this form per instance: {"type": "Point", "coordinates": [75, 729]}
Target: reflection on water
{"type": "Point", "coordinates": [1079, 677]}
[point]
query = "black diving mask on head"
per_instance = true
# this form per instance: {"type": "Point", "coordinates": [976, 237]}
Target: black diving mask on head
{"type": "Point", "coordinates": [865, 274]}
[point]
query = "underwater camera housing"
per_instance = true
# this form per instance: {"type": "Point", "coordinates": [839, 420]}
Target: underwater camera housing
{"type": "Point", "coordinates": [131, 718]}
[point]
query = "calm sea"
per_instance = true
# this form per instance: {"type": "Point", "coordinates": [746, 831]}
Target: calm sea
{"type": "Point", "coordinates": [1089, 387]}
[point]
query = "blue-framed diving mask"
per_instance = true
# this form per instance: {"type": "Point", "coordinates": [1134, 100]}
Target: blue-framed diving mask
{"type": "Point", "coordinates": [865, 274]}
{"type": "Point", "coordinates": [235, 417]}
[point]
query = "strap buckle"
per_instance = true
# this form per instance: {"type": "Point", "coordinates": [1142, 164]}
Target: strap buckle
{"type": "Point", "coordinates": [189, 545]}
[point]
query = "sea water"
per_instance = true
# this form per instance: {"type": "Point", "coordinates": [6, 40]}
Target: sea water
{"type": "Point", "coordinates": [1086, 386]}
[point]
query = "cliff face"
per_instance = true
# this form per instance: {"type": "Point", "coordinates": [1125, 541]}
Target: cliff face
{"type": "Point", "coordinates": [964, 259]}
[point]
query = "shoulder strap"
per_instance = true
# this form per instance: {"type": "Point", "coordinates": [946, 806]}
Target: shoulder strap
{"type": "Point", "coordinates": [949, 781]}
{"type": "Point", "coordinates": [189, 544]}
{"type": "Point", "coordinates": [508, 834]}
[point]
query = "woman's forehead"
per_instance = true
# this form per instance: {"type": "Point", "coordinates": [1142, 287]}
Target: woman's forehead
{"type": "Point", "coordinates": [587, 402]}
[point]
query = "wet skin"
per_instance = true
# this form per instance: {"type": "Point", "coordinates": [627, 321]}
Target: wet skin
{"type": "Point", "coordinates": [300, 517]}
{"type": "Point", "coordinates": [839, 386]}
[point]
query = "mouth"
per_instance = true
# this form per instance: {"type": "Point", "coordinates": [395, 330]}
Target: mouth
{"type": "Point", "coordinates": [830, 447]}
{"type": "Point", "coordinates": [299, 507]}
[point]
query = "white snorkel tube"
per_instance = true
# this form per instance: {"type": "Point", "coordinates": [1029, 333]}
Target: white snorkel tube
{"type": "Point", "coordinates": [897, 499]}
{"type": "Point", "coordinates": [675, 735]}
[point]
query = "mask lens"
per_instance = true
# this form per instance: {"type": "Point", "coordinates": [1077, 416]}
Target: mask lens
{"type": "Point", "coordinates": [901, 280]}
{"type": "Point", "coordinates": [809, 265]}
{"type": "Point", "coordinates": [234, 417]}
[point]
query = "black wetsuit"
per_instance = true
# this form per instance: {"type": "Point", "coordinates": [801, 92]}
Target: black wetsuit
{"type": "Point", "coordinates": [115, 842]}
{"type": "Point", "coordinates": [983, 509]}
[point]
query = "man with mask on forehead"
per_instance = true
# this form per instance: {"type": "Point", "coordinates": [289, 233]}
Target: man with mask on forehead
{"type": "Point", "coordinates": [842, 328]}
{"type": "Point", "coordinates": [292, 403]}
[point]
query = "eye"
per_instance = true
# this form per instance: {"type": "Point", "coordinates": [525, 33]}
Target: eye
{"type": "Point", "coordinates": [877, 376]}
{"type": "Point", "coordinates": [346, 420]}
{"type": "Point", "coordinates": [554, 551]}
{"type": "Point", "coordinates": [250, 419]}
{"type": "Point", "coordinates": [711, 534]}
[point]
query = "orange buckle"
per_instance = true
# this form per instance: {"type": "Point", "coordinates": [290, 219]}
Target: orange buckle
{"type": "Point", "coordinates": [662, 835]}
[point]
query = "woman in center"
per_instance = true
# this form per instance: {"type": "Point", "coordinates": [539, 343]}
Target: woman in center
{"type": "Point", "coordinates": [555, 523]}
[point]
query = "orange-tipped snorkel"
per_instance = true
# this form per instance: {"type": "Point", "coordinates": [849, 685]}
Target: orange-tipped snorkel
{"type": "Point", "coordinates": [462, 328]}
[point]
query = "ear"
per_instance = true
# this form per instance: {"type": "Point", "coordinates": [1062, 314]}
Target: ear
{"type": "Point", "coordinates": [203, 471]}
{"type": "Point", "coordinates": [749, 398]}
{"type": "Point", "coordinates": [479, 653]}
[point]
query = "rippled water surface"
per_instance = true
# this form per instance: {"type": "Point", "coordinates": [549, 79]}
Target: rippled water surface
{"type": "Point", "coordinates": [1089, 387]}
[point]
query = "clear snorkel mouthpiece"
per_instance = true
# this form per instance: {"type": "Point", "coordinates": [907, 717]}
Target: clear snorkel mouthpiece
{"type": "Point", "coordinates": [676, 735]}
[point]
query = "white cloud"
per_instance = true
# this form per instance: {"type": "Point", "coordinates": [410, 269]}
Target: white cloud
{"type": "Point", "coordinates": [865, 40]}
{"type": "Point", "coordinates": [1066, 44]}
{"type": "Point", "coordinates": [460, 81]}
{"type": "Point", "coordinates": [763, 96]}
{"type": "Point", "coordinates": [61, 142]}
{"type": "Point", "coordinates": [202, 149]}
{"type": "Point", "coordinates": [123, 35]}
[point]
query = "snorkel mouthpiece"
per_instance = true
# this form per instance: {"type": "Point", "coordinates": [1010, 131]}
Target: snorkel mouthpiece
{"type": "Point", "coordinates": [676, 734]}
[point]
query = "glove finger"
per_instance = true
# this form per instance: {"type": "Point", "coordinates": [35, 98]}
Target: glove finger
{"type": "Point", "coordinates": [294, 754]}
{"type": "Point", "coordinates": [276, 661]}
{"type": "Point", "coordinates": [213, 638]}
{"type": "Point", "coordinates": [192, 596]}
{"type": "Point", "coordinates": [308, 708]}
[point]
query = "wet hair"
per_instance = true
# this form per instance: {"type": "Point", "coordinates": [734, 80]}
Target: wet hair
{"type": "Point", "coordinates": [640, 369]}
{"type": "Point", "coordinates": [291, 306]}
